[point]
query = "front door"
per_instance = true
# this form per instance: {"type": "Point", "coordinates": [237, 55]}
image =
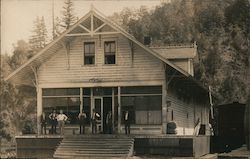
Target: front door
{"type": "Point", "coordinates": [98, 105]}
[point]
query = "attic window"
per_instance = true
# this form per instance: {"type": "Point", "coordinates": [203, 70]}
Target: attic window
{"type": "Point", "coordinates": [109, 52]}
{"type": "Point", "coordinates": [89, 53]}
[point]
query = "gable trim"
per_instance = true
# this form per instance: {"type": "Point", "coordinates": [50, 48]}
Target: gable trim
{"type": "Point", "coordinates": [93, 12]}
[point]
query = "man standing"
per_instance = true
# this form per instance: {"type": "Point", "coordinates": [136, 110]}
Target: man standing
{"type": "Point", "coordinates": [61, 118]}
{"type": "Point", "coordinates": [94, 117]}
{"type": "Point", "coordinates": [82, 117]}
{"type": "Point", "coordinates": [127, 123]}
{"type": "Point", "coordinates": [43, 124]}
{"type": "Point", "coordinates": [53, 120]}
{"type": "Point", "coordinates": [109, 122]}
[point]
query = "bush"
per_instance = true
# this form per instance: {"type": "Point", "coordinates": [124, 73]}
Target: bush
{"type": "Point", "coordinates": [171, 127]}
{"type": "Point", "coordinates": [28, 127]}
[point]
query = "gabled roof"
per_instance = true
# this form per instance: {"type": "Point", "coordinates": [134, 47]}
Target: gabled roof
{"type": "Point", "coordinates": [25, 72]}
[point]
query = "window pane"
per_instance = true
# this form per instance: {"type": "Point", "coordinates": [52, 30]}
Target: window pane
{"type": "Point", "coordinates": [154, 102]}
{"type": "Point", "coordinates": [107, 91]}
{"type": "Point", "coordinates": [89, 53]}
{"type": "Point", "coordinates": [69, 105]}
{"type": "Point", "coordinates": [60, 91]}
{"type": "Point", "coordinates": [144, 109]}
{"type": "Point", "coordinates": [128, 103]}
{"type": "Point", "coordinates": [86, 108]}
{"type": "Point", "coordinates": [112, 47]}
{"type": "Point", "coordinates": [89, 60]}
{"type": "Point", "coordinates": [73, 101]}
{"type": "Point", "coordinates": [106, 47]}
{"type": "Point", "coordinates": [86, 91]}
{"type": "Point", "coordinates": [109, 52]}
{"type": "Point", "coordinates": [110, 59]}
{"type": "Point", "coordinates": [141, 90]}
{"type": "Point", "coordinates": [86, 49]}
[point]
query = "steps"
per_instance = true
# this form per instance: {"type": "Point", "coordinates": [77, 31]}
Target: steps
{"type": "Point", "coordinates": [95, 146]}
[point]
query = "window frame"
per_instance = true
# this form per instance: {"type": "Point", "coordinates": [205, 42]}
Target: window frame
{"type": "Point", "coordinates": [83, 52]}
{"type": "Point", "coordinates": [116, 50]}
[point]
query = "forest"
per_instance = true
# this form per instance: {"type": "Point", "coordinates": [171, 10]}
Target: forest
{"type": "Point", "coordinates": [220, 29]}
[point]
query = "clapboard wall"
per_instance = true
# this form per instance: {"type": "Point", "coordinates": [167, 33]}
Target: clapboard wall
{"type": "Point", "coordinates": [185, 112]}
{"type": "Point", "coordinates": [136, 66]}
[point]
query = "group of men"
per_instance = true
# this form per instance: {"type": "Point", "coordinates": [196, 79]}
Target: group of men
{"type": "Point", "coordinates": [55, 119]}
{"type": "Point", "coordinates": [61, 118]}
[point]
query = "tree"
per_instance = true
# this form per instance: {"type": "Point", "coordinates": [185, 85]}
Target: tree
{"type": "Point", "coordinates": [68, 18]}
{"type": "Point", "coordinates": [39, 38]}
{"type": "Point", "coordinates": [22, 52]}
{"type": "Point", "coordinates": [221, 30]}
{"type": "Point", "coordinates": [57, 28]}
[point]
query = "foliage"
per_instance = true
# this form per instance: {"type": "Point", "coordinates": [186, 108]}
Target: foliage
{"type": "Point", "coordinates": [68, 18]}
{"type": "Point", "coordinates": [28, 127]}
{"type": "Point", "coordinates": [39, 39]}
{"type": "Point", "coordinates": [17, 103]}
{"type": "Point", "coordinates": [221, 30]}
{"type": "Point", "coordinates": [17, 106]}
{"type": "Point", "coordinates": [22, 52]}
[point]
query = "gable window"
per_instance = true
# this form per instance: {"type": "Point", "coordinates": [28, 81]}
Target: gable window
{"type": "Point", "coordinates": [89, 53]}
{"type": "Point", "coordinates": [109, 52]}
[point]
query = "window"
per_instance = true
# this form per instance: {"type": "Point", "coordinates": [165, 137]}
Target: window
{"type": "Point", "coordinates": [66, 99]}
{"type": "Point", "coordinates": [69, 105]}
{"type": "Point", "coordinates": [143, 103]}
{"type": "Point", "coordinates": [109, 52]}
{"type": "Point", "coordinates": [89, 53]}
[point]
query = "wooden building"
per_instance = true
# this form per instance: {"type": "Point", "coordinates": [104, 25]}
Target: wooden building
{"type": "Point", "coordinates": [97, 64]}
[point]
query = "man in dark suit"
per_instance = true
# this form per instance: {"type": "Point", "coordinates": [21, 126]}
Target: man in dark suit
{"type": "Point", "coordinates": [127, 122]}
{"type": "Point", "coordinates": [43, 123]}
{"type": "Point", "coordinates": [53, 119]}
{"type": "Point", "coordinates": [82, 117]}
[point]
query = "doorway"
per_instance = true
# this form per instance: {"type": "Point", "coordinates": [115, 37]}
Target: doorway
{"type": "Point", "coordinates": [102, 106]}
{"type": "Point", "coordinates": [107, 106]}
{"type": "Point", "coordinates": [98, 106]}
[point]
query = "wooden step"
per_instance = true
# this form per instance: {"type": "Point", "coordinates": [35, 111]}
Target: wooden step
{"type": "Point", "coordinates": [95, 146]}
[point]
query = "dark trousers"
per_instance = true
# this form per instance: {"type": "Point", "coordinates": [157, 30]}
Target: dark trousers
{"type": "Point", "coordinates": [82, 128]}
{"type": "Point", "coordinates": [53, 127]}
{"type": "Point", "coordinates": [43, 129]}
{"type": "Point", "coordinates": [94, 127]}
{"type": "Point", "coordinates": [127, 127]}
{"type": "Point", "coordinates": [109, 129]}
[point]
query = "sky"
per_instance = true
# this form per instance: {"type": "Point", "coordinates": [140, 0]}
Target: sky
{"type": "Point", "coordinates": [17, 16]}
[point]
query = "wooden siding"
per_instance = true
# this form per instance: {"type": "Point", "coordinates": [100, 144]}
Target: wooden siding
{"type": "Point", "coordinates": [185, 114]}
{"type": "Point", "coordinates": [145, 67]}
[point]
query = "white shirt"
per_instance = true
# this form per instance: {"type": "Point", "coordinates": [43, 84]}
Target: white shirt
{"type": "Point", "coordinates": [126, 116]}
{"type": "Point", "coordinates": [94, 115]}
{"type": "Point", "coordinates": [61, 117]}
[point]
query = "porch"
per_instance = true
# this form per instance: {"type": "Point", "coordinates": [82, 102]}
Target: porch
{"type": "Point", "coordinates": [44, 146]}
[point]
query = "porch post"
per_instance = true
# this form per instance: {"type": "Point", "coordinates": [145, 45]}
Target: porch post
{"type": "Point", "coordinates": [81, 100]}
{"type": "Point", "coordinates": [113, 107]}
{"type": "Point", "coordinates": [39, 109]}
{"type": "Point", "coordinates": [119, 109]}
{"type": "Point", "coordinates": [164, 107]}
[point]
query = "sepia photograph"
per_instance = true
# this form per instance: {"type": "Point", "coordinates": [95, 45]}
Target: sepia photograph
{"type": "Point", "coordinates": [125, 79]}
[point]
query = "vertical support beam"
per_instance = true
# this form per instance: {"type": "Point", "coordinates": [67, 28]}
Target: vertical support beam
{"type": "Point", "coordinates": [164, 107]}
{"type": "Point", "coordinates": [113, 107]}
{"type": "Point", "coordinates": [119, 109]}
{"type": "Point", "coordinates": [91, 99]}
{"type": "Point", "coordinates": [81, 99]}
{"type": "Point", "coordinates": [39, 109]}
{"type": "Point", "coordinates": [91, 103]}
